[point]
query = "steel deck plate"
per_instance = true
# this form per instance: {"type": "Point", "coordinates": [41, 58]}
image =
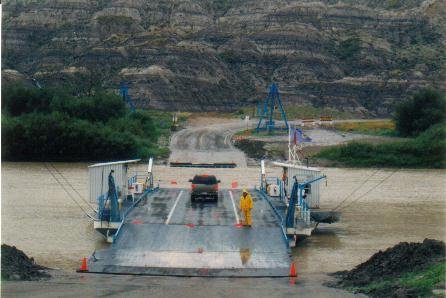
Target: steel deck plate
{"type": "Point", "coordinates": [167, 234]}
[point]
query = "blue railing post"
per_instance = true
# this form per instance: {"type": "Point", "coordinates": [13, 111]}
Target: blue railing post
{"type": "Point", "coordinates": [101, 204]}
{"type": "Point", "coordinates": [292, 207]}
{"type": "Point", "coordinates": [297, 198]}
{"type": "Point", "coordinates": [143, 196]}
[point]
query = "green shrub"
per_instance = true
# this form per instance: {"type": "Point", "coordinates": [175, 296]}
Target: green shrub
{"type": "Point", "coordinates": [418, 283]}
{"type": "Point", "coordinates": [99, 107]}
{"type": "Point", "coordinates": [52, 124]}
{"type": "Point", "coordinates": [428, 150]}
{"type": "Point", "coordinates": [424, 109]}
{"type": "Point", "coordinates": [423, 281]}
{"type": "Point", "coordinates": [56, 136]}
{"type": "Point", "coordinates": [393, 3]}
{"type": "Point", "coordinates": [349, 48]}
{"type": "Point", "coordinates": [230, 57]}
{"type": "Point", "coordinates": [17, 100]}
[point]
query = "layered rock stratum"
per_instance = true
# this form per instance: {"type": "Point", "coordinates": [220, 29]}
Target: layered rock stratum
{"type": "Point", "coordinates": [363, 55]}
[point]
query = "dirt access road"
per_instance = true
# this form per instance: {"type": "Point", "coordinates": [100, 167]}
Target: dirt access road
{"type": "Point", "coordinates": [107, 285]}
{"type": "Point", "coordinates": [207, 140]}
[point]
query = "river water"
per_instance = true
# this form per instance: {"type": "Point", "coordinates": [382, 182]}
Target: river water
{"type": "Point", "coordinates": [38, 216]}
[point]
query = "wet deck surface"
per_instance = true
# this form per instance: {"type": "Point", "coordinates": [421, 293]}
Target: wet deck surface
{"type": "Point", "coordinates": [167, 234]}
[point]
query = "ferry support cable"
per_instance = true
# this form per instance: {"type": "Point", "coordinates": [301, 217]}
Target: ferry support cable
{"type": "Point", "coordinates": [355, 190]}
{"type": "Point", "coordinates": [72, 187]}
{"type": "Point", "coordinates": [374, 187]}
{"type": "Point", "coordinates": [71, 197]}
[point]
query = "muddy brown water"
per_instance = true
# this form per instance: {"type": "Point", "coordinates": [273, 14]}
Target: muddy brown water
{"type": "Point", "coordinates": [39, 217]}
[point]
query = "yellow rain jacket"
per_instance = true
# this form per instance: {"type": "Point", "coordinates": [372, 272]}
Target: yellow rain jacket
{"type": "Point", "coordinates": [246, 203]}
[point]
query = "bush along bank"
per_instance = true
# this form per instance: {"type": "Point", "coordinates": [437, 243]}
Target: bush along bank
{"type": "Point", "coordinates": [54, 125]}
{"type": "Point", "coordinates": [423, 118]}
{"type": "Point", "coordinates": [405, 270]}
{"type": "Point", "coordinates": [428, 150]}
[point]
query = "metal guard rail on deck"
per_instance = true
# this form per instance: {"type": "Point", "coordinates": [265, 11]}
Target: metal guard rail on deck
{"type": "Point", "coordinates": [305, 212]}
{"type": "Point", "coordinates": [101, 204]}
{"type": "Point", "coordinates": [276, 181]}
{"type": "Point", "coordinates": [297, 197]}
{"type": "Point", "coordinates": [144, 195]}
{"type": "Point", "coordinates": [101, 200]}
{"type": "Point", "coordinates": [148, 180]}
{"type": "Point", "coordinates": [134, 179]}
{"type": "Point", "coordinates": [281, 219]}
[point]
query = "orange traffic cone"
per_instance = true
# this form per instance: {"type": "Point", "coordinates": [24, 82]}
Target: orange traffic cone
{"type": "Point", "coordinates": [84, 266]}
{"type": "Point", "coordinates": [293, 272]}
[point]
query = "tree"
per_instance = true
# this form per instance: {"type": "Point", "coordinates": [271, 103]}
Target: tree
{"type": "Point", "coordinates": [417, 114]}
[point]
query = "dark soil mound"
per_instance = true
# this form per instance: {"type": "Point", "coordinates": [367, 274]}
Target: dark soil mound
{"type": "Point", "coordinates": [17, 266]}
{"type": "Point", "coordinates": [403, 257]}
{"type": "Point", "coordinates": [252, 148]}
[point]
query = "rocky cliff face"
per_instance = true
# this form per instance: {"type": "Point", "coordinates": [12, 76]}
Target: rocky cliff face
{"type": "Point", "coordinates": [222, 54]}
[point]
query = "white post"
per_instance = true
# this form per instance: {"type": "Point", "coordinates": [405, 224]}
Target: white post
{"type": "Point", "coordinates": [149, 179]}
{"type": "Point", "coordinates": [149, 168]}
{"type": "Point", "coordinates": [289, 142]}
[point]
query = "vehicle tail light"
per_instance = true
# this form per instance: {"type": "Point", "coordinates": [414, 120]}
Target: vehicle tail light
{"type": "Point", "coordinates": [194, 186]}
{"type": "Point", "coordinates": [215, 187]}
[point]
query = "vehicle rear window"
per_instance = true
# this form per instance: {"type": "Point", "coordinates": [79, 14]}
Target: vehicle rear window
{"type": "Point", "coordinates": [204, 180]}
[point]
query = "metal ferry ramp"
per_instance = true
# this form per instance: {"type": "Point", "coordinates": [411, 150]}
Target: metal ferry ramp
{"type": "Point", "coordinates": [167, 234]}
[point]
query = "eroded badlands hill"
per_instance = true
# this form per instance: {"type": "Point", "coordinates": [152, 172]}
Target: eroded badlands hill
{"type": "Point", "coordinates": [219, 55]}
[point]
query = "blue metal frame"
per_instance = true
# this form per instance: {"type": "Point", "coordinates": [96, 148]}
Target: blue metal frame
{"type": "Point", "coordinates": [268, 110]}
{"type": "Point", "coordinates": [132, 180]}
{"type": "Point", "coordinates": [147, 178]}
{"type": "Point", "coordinates": [111, 214]}
{"type": "Point", "coordinates": [101, 204]}
{"type": "Point", "coordinates": [262, 186]}
{"type": "Point", "coordinates": [297, 196]}
{"type": "Point", "coordinates": [112, 195]}
{"type": "Point", "coordinates": [143, 196]}
{"type": "Point", "coordinates": [124, 91]}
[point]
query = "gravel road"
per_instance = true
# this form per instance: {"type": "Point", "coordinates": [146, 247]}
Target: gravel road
{"type": "Point", "coordinates": [207, 140]}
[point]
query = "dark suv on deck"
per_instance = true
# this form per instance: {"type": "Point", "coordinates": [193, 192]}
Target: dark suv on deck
{"type": "Point", "coordinates": [205, 187]}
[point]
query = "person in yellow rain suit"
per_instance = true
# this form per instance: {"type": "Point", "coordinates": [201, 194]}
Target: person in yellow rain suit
{"type": "Point", "coordinates": [246, 204]}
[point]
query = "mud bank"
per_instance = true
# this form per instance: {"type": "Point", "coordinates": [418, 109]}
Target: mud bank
{"type": "Point", "coordinates": [16, 265]}
{"type": "Point", "coordinates": [383, 274]}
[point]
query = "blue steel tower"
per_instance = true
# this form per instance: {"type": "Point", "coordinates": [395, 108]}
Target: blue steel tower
{"type": "Point", "coordinates": [267, 111]}
{"type": "Point", "coordinates": [124, 91]}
